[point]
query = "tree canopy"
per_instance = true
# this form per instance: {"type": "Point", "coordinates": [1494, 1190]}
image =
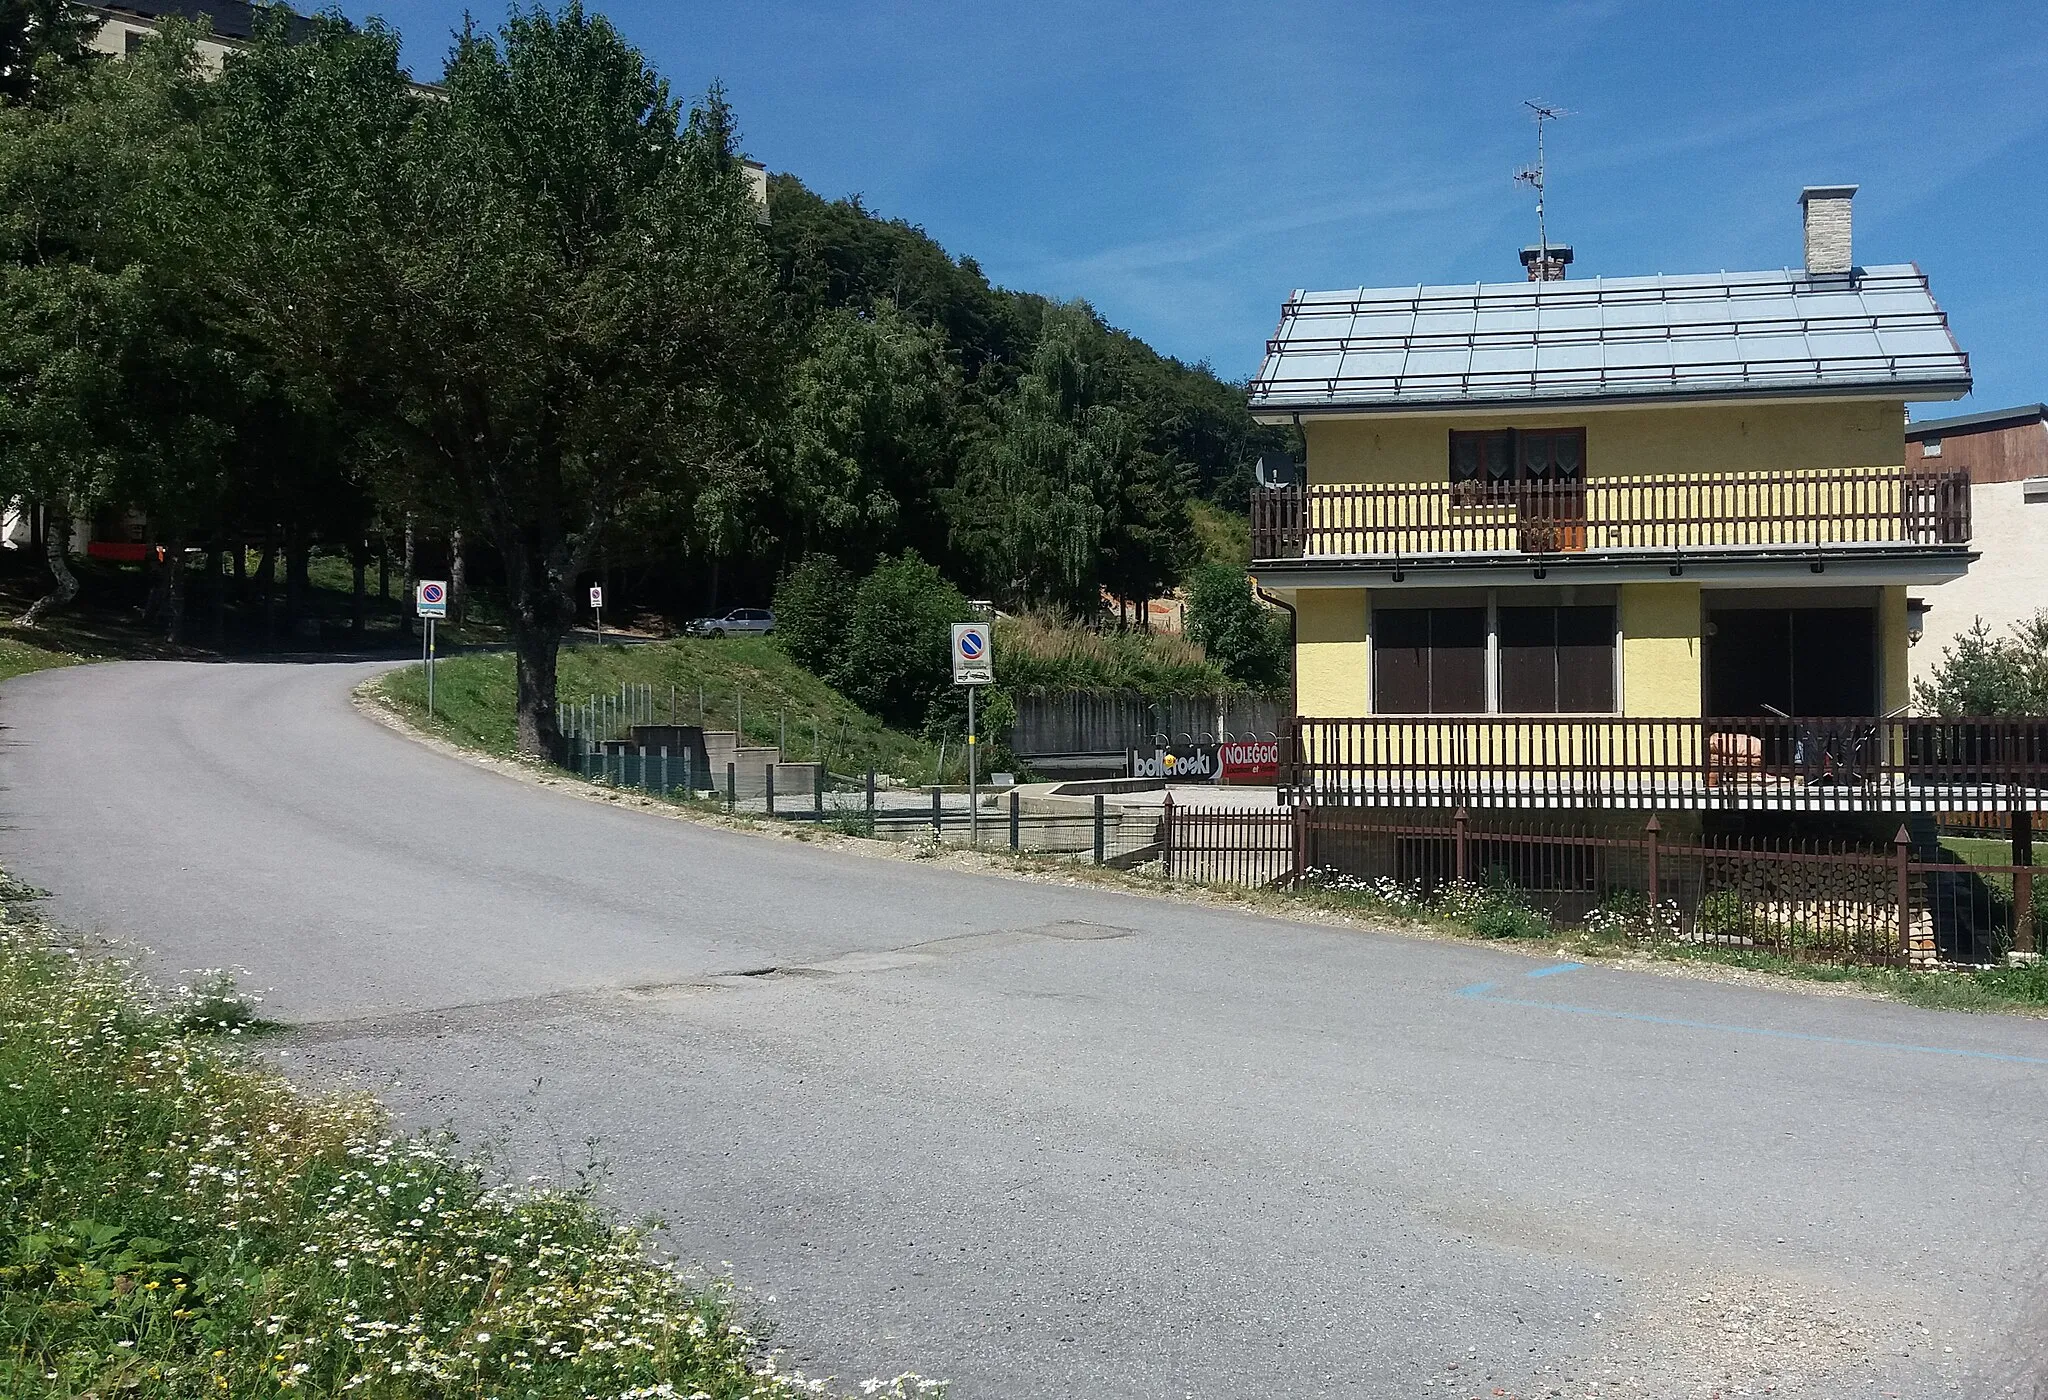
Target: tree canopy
{"type": "Point", "coordinates": [537, 309]}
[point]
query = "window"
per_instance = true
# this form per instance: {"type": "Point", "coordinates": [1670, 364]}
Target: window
{"type": "Point", "coordinates": [1930, 447]}
{"type": "Point", "coordinates": [2034, 490]}
{"type": "Point", "coordinates": [1499, 460]}
{"type": "Point", "coordinates": [1429, 661]}
{"type": "Point", "coordinates": [1556, 660]}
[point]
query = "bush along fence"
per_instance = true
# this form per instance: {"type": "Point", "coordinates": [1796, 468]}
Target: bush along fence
{"type": "Point", "coordinates": [1903, 904]}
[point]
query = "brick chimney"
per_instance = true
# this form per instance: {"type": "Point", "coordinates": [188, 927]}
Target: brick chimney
{"type": "Point", "coordinates": [1550, 268]}
{"type": "Point", "coordinates": [1827, 229]}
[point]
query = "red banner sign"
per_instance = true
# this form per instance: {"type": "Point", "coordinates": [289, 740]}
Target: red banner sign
{"type": "Point", "coordinates": [1250, 760]}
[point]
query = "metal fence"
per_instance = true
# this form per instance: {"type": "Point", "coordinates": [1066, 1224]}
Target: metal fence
{"type": "Point", "coordinates": [1075, 723]}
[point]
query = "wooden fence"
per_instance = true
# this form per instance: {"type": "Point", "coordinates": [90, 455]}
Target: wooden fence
{"type": "Point", "coordinates": [1841, 900]}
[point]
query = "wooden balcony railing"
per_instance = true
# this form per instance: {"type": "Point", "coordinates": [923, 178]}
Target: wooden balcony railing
{"type": "Point", "coordinates": [1852, 764]}
{"type": "Point", "coordinates": [1659, 514]}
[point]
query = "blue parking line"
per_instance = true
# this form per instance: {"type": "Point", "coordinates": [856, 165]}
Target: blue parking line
{"type": "Point", "coordinates": [1484, 991]}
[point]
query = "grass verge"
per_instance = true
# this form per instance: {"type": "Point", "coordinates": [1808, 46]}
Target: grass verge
{"type": "Point", "coordinates": [772, 696]}
{"type": "Point", "coordinates": [177, 1222]}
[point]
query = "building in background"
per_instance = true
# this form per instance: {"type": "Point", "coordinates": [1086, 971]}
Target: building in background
{"type": "Point", "coordinates": [2005, 453]}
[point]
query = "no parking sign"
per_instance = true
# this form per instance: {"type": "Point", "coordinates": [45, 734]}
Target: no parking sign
{"type": "Point", "coordinates": [974, 661]}
{"type": "Point", "coordinates": [430, 599]}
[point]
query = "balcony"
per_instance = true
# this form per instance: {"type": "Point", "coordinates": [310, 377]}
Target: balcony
{"type": "Point", "coordinates": [1662, 518]}
{"type": "Point", "coordinates": [1868, 765]}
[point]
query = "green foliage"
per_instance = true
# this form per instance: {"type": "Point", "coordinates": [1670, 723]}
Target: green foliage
{"type": "Point", "coordinates": [813, 612]}
{"type": "Point", "coordinates": [1043, 652]}
{"type": "Point", "coordinates": [1239, 633]}
{"type": "Point", "coordinates": [869, 425]}
{"type": "Point", "coordinates": [1982, 674]}
{"type": "Point", "coordinates": [42, 42]}
{"type": "Point", "coordinates": [899, 644]}
{"type": "Point", "coordinates": [749, 680]}
{"type": "Point", "coordinates": [177, 1223]}
{"type": "Point", "coordinates": [1221, 536]}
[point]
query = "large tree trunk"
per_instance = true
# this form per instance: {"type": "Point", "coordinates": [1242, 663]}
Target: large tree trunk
{"type": "Point", "coordinates": [57, 549]}
{"type": "Point", "coordinates": [538, 577]}
{"type": "Point", "coordinates": [537, 649]}
{"type": "Point", "coordinates": [266, 584]}
{"type": "Point", "coordinates": [217, 597]}
{"type": "Point", "coordinates": [174, 590]}
{"type": "Point", "coordinates": [412, 578]}
{"type": "Point", "coordinates": [298, 578]}
{"type": "Point", "coordinates": [359, 601]}
{"type": "Point", "coordinates": [458, 579]}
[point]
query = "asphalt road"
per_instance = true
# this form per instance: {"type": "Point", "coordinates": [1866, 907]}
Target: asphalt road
{"type": "Point", "coordinates": [1049, 1141]}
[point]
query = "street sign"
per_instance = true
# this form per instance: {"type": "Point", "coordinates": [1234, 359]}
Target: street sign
{"type": "Point", "coordinates": [596, 596]}
{"type": "Point", "coordinates": [430, 598]}
{"type": "Point", "coordinates": [974, 661]}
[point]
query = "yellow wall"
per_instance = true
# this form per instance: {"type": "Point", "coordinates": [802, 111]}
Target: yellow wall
{"type": "Point", "coordinates": [1661, 671]}
{"type": "Point", "coordinates": [1647, 441]}
{"type": "Point", "coordinates": [1330, 658]}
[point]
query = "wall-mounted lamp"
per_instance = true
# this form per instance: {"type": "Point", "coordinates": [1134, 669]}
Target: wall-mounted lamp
{"type": "Point", "coordinates": [1916, 619]}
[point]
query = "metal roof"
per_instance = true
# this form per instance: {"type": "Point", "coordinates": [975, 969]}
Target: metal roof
{"type": "Point", "coordinates": [1997, 417]}
{"type": "Point", "coordinates": [1603, 339]}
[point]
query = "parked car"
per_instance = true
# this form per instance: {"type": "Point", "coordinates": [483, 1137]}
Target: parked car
{"type": "Point", "coordinates": [740, 622]}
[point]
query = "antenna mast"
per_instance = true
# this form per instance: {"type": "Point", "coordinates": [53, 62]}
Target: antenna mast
{"type": "Point", "coordinates": [1532, 175]}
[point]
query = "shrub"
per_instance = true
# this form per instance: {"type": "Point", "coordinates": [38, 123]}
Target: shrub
{"type": "Point", "coordinates": [1238, 632]}
{"type": "Point", "coordinates": [1980, 674]}
{"type": "Point", "coordinates": [813, 607]}
{"type": "Point", "coordinates": [899, 640]}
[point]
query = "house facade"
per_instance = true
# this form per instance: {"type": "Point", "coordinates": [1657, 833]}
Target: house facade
{"type": "Point", "coordinates": [1622, 543]}
{"type": "Point", "coordinates": [2004, 453]}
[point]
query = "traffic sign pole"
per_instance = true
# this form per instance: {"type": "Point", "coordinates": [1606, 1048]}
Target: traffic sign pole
{"type": "Point", "coordinates": [430, 668]}
{"type": "Point", "coordinates": [973, 782]}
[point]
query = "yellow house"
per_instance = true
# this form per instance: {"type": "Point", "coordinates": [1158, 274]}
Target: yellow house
{"type": "Point", "coordinates": [1635, 542]}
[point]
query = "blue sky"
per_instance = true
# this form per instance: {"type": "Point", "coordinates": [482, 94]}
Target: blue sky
{"type": "Point", "coordinates": [1184, 166]}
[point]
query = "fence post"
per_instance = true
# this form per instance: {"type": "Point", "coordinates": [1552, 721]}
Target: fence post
{"type": "Point", "coordinates": [732, 787]}
{"type": "Point", "coordinates": [768, 785]}
{"type": "Point", "coordinates": [1461, 844]}
{"type": "Point", "coordinates": [1015, 831]}
{"type": "Point", "coordinates": [1098, 828]}
{"type": "Point", "coordinates": [1166, 834]}
{"type": "Point", "coordinates": [1651, 839]}
{"type": "Point", "coordinates": [818, 789]}
{"type": "Point", "coordinates": [2023, 931]}
{"type": "Point", "coordinates": [938, 813]}
{"type": "Point", "coordinates": [664, 771]}
{"type": "Point", "coordinates": [1300, 824]}
{"type": "Point", "coordinates": [643, 784]}
{"type": "Point", "coordinates": [1902, 850]}
{"type": "Point", "coordinates": [871, 799]}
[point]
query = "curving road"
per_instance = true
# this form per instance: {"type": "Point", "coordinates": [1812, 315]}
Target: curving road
{"type": "Point", "coordinates": [1051, 1141]}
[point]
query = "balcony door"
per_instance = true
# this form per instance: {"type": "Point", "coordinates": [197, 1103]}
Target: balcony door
{"type": "Point", "coordinates": [1803, 661]}
{"type": "Point", "coordinates": [1552, 470]}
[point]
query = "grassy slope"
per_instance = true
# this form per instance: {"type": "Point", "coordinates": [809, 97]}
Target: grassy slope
{"type": "Point", "coordinates": [1224, 535]}
{"type": "Point", "coordinates": [473, 699]}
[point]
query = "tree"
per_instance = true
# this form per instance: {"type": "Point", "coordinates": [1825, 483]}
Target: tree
{"type": "Point", "coordinates": [545, 293]}
{"type": "Point", "coordinates": [1236, 630]}
{"type": "Point", "coordinates": [897, 661]}
{"type": "Point", "coordinates": [868, 430]}
{"type": "Point", "coordinates": [813, 607]}
{"type": "Point", "coordinates": [40, 42]}
{"type": "Point", "coordinates": [1982, 674]}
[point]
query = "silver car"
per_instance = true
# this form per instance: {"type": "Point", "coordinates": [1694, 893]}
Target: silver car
{"type": "Point", "coordinates": [740, 622]}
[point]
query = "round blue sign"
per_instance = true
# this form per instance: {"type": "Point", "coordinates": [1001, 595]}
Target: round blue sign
{"type": "Point", "coordinates": [971, 645]}
{"type": "Point", "coordinates": [430, 592]}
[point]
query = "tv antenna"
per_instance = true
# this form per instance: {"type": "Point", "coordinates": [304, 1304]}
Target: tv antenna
{"type": "Point", "coordinates": [1532, 175]}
